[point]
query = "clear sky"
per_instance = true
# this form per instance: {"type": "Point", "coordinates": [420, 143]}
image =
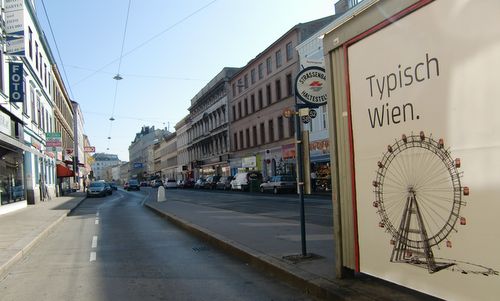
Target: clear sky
{"type": "Point", "coordinates": [172, 49]}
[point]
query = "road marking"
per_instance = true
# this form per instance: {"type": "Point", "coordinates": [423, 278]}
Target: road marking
{"type": "Point", "coordinates": [93, 256]}
{"type": "Point", "coordinates": [97, 221]}
{"type": "Point", "coordinates": [97, 214]}
{"type": "Point", "coordinates": [94, 242]}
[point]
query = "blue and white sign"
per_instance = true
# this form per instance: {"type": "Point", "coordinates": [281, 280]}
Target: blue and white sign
{"type": "Point", "coordinates": [138, 165]}
{"type": "Point", "coordinates": [16, 83]}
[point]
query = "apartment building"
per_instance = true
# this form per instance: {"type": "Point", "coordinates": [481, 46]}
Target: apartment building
{"type": "Point", "coordinates": [261, 137]}
{"type": "Point", "coordinates": [208, 134]}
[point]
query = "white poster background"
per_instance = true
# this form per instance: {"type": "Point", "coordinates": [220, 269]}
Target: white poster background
{"type": "Point", "coordinates": [462, 106]}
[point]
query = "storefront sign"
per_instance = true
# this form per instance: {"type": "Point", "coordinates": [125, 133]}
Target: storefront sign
{"type": "Point", "coordinates": [53, 140]}
{"type": "Point", "coordinates": [14, 27]}
{"type": "Point", "coordinates": [16, 83]}
{"type": "Point", "coordinates": [288, 151]}
{"type": "Point", "coordinates": [249, 162]}
{"type": "Point", "coordinates": [5, 123]}
{"type": "Point", "coordinates": [310, 86]}
{"type": "Point", "coordinates": [89, 149]}
{"type": "Point", "coordinates": [424, 109]}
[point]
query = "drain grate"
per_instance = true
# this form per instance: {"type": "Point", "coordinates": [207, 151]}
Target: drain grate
{"type": "Point", "coordinates": [201, 249]}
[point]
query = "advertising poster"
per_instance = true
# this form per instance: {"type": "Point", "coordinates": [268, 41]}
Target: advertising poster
{"type": "Point", "coordinates": [425, 112]}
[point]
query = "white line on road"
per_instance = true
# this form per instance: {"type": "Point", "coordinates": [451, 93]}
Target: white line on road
{"type": "Point", "coordinates": [93, 256]}
{"type": "Point", "coordinates": [94, 242]}
{"type": "Point", "coordinates": [97, 221]}
{"type": "Point", "coordinates": [97, 214]}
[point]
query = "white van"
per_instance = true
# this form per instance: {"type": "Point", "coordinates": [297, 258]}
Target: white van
{"type": "Point", "coordinates": [241, 180]}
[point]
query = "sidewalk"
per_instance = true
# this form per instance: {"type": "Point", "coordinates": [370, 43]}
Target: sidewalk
{"type": "Point", "coordinates": [266, 241]}
{"type": "Point", "coordinates": [22, 229]}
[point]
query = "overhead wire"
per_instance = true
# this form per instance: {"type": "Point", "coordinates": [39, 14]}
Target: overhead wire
{"type": "Point", "coordinates": [57, 49]}
{"type": "Point", "coordinates": [117, 79]}
{"type": "Point", "coordinates": [148, 40]}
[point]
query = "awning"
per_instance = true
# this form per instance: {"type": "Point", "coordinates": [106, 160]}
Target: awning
{"type": "Point", "coordinates": [64, 172]}
{"type": "Point", "coordinates": [69, 162]}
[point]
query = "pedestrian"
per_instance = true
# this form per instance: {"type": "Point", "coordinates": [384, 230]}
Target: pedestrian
{"type": "Point", "coordinates": [314, 177]}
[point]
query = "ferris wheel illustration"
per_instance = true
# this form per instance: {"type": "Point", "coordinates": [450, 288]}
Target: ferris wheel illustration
{"type": "Point", "coordinates": [418, 196]}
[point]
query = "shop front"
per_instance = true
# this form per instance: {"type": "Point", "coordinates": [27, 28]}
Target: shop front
{"type": "Point", "coordinates": [320, 164]}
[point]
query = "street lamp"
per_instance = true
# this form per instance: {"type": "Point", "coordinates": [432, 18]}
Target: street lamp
{"type": "Point", "coordinates": [117, 77]}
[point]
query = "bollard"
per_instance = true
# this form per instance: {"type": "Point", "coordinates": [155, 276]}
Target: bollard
{"type": "Point", "coordinates": [161, 194]}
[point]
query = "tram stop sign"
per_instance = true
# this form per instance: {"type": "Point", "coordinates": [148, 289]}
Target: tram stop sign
{"type": "Point", "coordinates": [310, 86]}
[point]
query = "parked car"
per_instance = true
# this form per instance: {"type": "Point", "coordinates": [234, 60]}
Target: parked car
{"type": "Point", "coordinates": [170, 183]}
{"type": "Point", "coordinates": [144, 184]}
{"type": "Point", "coordinates": [224, 183]}
{"type": "Point", "coordinates": [278, 184]}
{"type": "Point", "coordinates": [109, 189]}
{"type": "Point", "coordinates": [97, 189]}
{"type": "Point", "coordinates": [188, 183]}
{"type": "Point", "coordinates": [211, 182]}
{"type": "Point", "coordinates": [199, 183]}
{"type": "Point", "coordinates": [156, 183]}
{"type": "Point", "coordinates": [244, 180]}
{"type": "Point", "coordinates": [133, 184]}
{"type": "Point", "coordinates": [113, 185]}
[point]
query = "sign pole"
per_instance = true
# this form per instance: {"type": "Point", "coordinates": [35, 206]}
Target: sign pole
{"type": "Point", "coordinates": [300, 180]}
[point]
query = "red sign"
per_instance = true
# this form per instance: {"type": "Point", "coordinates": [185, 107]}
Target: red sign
{"type": "Point", "coordinates": [89, 149]}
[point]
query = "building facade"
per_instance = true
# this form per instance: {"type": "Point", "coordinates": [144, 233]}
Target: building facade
{"type": "Point", "coordinates": [141, 152]}
{"type": "Point", "coordinates": [261, 137]}
{"type": "Point", "coordinates": [101, 161]}
{"type": "Point", "coordinates": [208, 135]}
{"type": "Point", "coordinates": [181, 128]}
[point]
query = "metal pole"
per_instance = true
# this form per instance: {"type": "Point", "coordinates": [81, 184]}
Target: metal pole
{"type": "Point", "coordinates": [300, 179]}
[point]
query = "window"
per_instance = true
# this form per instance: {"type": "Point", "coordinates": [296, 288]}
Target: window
{"type": "Point", "coordinates": [1, 71]}
{"type": "Point", "coordinates": [30, 45]}
{"type": "Point", "coordinates": [261, 71]}
{"type": "Point", "coordinates": [247, 136]}
{"type": "Point", "coordinates": [245, 103]}
{"type": "Point", "coordinates": [234, 89]}
{"type": "Point", "coordinates": [41, 69]}
{"type": "Point", "coordinates": [268, 94]}
{"type": "Point", "coordinates": [239, 110]}
{"type": "Point", "coordinates": [252, 103]}
{"type": "Point", "coordinates": [254, 135]}
{"type": "Point", "coordinates": [262, 133]}
{"type": "Point", "coordinates": [269, 65]}
{"type": "Point", "coordinates": [25, 100]}
{"type": "Point", "coordinates": [235, 141]}
{"type": "Point", "coordinates": [281, 134]}
{"type": "Point", "coordinates": [241, 140]}
{"type": "Point", "coordinates": [278, 59]}
{"type": "Point", "coordinates": [246, 81]}
{"type": "Point", "coordinates": [271, 130]}
{"type": "Point", "coordinates": [45, 76]}
{"type": "Point", "coordinates": [33, 108]}
{"type": "Point", "coordinates": [291, 126]}
{"type": "Point", "coordinates": [278, 90]}
{"type": "Point", "coordinates": [38, 109]}
{"type": "Point", "coordinates": [261, 101]}
{"type": "Point", "coordinates": [252, 76]}
{"type": "Point", "coordinates": [234, 113]}
{"type": "Point", "coordinates": [289, 85]}
{"type": "Point", "coordinates": [36, 55]}
{"type": "Point", "coordinates": [289, 51]}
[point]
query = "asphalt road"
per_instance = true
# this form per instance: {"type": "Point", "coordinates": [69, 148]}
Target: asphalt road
{"type": "Point", "coordinates": [113, 248]}
{"type": "Point", "coordinates": [318, 209]}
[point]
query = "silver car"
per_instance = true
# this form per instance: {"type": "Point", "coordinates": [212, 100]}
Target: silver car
{"type": "Point", "coordinates": [278, 184]}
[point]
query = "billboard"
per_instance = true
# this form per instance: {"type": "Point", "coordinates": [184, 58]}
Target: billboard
{"type": "Point", "coordinates": [14, 27]}
{"type": "Point", "coordinates": [424, 114]}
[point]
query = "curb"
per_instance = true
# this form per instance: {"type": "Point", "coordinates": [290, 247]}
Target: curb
{"type": "Point", "coordinates": [310, 283]}
{"type": "Point", "coordinates": [27, 244]}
